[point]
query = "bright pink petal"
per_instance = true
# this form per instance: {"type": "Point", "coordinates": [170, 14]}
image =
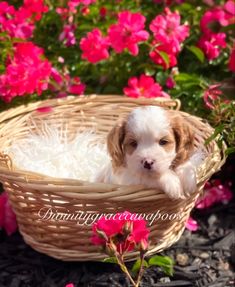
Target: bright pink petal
{"type": "Point", "coordinates": [191, 224]}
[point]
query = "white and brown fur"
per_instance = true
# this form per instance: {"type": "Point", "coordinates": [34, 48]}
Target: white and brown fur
{"type": "Point", "coordinates": [152, 147]}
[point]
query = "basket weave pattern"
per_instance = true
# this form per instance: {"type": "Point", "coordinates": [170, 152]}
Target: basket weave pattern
{"type": "Point", "coordinates": [30, 192]}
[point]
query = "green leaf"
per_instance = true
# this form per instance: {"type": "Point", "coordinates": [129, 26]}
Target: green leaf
{"type": "Point", "coordinates": [168, 270]}
{"type": "Point", "coordinates": [230, 150]}
{"type": "Point", "coordinates": [136, 266]}
{"type": "Point", "coordinates": [165, 57]}
{"type": "Point", "coordinates": [184, 77]}
{"type": "Point", "coordinates": [165, 262]}
{"type": "Point", "coordinates": [161, 77]}
{"type": "Point", "coordinates": [217, 131]}
{"type": "Point", "coordinates": [197, 52]}
{"type": "Point", "coordinates": [149, 71]}
{"type": "Point", "coordinates": [110, 260]}
{"type": "Point", "coordinates": [160, 260]}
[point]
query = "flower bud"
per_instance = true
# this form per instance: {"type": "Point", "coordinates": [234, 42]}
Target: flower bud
{"type": "Point", "coordinates": [128, 228]}
{"type": "Point", "coordinates": [102, 234]}
{"type": "Point", "coordinates": [110, 249]}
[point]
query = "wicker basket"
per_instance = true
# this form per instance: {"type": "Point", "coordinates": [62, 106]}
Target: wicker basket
{"type": "Point", "coordinates": [29, 192]}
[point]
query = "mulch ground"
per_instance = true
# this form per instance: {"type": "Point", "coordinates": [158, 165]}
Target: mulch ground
{"type": "Point", "coordinates": [203, 258]}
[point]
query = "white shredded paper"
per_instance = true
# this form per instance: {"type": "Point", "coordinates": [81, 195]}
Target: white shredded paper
{"type": "Point", "coordinates": [50, 152]}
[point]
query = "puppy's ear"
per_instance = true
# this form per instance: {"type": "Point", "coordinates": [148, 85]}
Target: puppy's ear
{"type": "Point", "coordinates": [115, 141]}
{"type": "Point", "coordinates": [184, 138]}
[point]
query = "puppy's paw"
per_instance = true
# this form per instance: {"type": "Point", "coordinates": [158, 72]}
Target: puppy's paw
{"type": "Point", "coordinates": [171, 185]}
{"type": "Point", "coordinates": [187, 175]}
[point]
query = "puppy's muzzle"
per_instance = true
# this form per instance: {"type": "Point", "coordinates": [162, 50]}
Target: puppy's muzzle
{"type": "Point", "coordinates": [148, 163]}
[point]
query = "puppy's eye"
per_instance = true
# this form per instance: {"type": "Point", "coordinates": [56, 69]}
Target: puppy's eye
{"type": "Point", "coordinates": [163, 142]}
{"type": "Point", "coordinates": [133, 144]}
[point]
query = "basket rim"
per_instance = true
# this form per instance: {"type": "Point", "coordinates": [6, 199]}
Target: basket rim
{"type": "Point", "coordinates": [24, 176]}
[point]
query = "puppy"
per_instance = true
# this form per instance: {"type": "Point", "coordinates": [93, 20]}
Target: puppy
{"type": "Point", "coordinates": [152, 147]}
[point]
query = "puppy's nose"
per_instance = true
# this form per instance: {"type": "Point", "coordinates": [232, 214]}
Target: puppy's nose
{"type": "Point", "coordinates": [148, 163]}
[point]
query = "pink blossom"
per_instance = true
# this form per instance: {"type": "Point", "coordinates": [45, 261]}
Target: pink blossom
{"type": "Point", "coordinates": [229, 8]}
{"type": "Point", "coordinates": [63, 12]}
{"type": "Point", "coordinates": [67, 36]}
{"type": "Point", "coordinates": [166, 48]}
{"type": "Point", "coordinates": [170, 83]}
{"type": "Point", "coordinates": [211, 44]}
{"type": "Point", "coordinates": [215, 192]}
{"type": "Point", "coordinates": [103, 12]}
{"type": "Point", "coordinates": [76, 87]}
{"type": "Point", "coordinates": [231, 63]}
{"type": "Point", "coordinates": [211, 17]}
{"type": "Point", "coordinates": [26, 73]}
{"type": "Point", "coordinates": [72, 4]}
{"type": "Point", "coordinates": [20, 23]}
{"type": "Point", "coordinates": [94, 46]}
{"type": "Point", "coordinates": [191, 224]}
{"type": "Point", "coordinates": [167, 29]}
{"type": "Point", "coordinates": [69, 285]}
{"type": "Point", "coordinates": [36, 8]}
{"type": "Point", "coordinates": [212, 94]}
{"type": "Point", "coordinates": [123, 229]}
{"type": "Point", "coordinates": [128, 32]}
{"type": "Point", "coordinates": [15, 22]}
{"type": "Point", "coordinates": [145, 86]}
{"type": "Point", "coordinates": [63, 85]}
{"type": "Point", "coordinates": [85, 10]}
{"type": "Point", "coordinates": [168, 36]}
{"type": "Point", "coordinates": [7, 216]}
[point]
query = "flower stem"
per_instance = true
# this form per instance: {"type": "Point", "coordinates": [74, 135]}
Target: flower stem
{"type": "Point", "coordinates": [141, 269]}
{"type": "Point", "coordinates": [124, 269]}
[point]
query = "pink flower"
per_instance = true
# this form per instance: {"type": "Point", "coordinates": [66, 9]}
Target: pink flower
{"type": "Point", "coordinates": [229, 8]}
{"type": "Point", "coordinates": [168, 36]}
{"type": "Point", "coordinates": [166, 48]}
{"type": "Point", "coordinates": [67, 36]}
{"type": "Point", "coordinates": [36, 8]}
{"type": "Point", "coordinates": [211, 18]}
{"type": "Point", "coordinates": [76, 87]}
{"type": "Point", "coordinates": [85, 11]}
{"type": "Point", "coordinates": [7, 216]}
{"type": "Point", "coordinates": [15, 22]}
{"type": "Point", "coordinates": [69, 285]}
{"type": "Point", "coordinates": [20, 23]}
{"type": "Point", "coordinates": [215, 192]}
{"type": "Point", "coordinates": [231, 63]}
{"type": "Point", "coordinates": [211, 44]}
{"type": "Point", "coordinates": [125, 230]}
{"type": "Point", "coordinates": [63, 85]}
{"type": "Point", "coordinates": [128, 32]}
{"type": "Point", "coordinates": [94, 46]}
{"type": "Point", "coordinates": [63, 12]}
{"type": "Point", "coordinates": [26, 73]}
{"type": "Point", "coordinates": [145, 86]}
{"type": "Point", "coordinates": [72, 4]}
{"type": "Point", "coordinates": [191, 224]}
{"type": "Point", "coordinates": [103, 12]}
{"type": "Point", "coordinates": [170, 83]}
{"type": "Point", "coordinates": [211, 95]}
{"type": "Point", "coordinates": [167, 29]}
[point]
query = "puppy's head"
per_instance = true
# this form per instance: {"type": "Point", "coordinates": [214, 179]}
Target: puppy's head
{"type": "Point", "coordinates": [150, 141]}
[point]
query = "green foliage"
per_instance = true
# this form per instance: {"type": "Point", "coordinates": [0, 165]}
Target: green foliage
{"type": "Point", "coordinates": [165, 262]}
